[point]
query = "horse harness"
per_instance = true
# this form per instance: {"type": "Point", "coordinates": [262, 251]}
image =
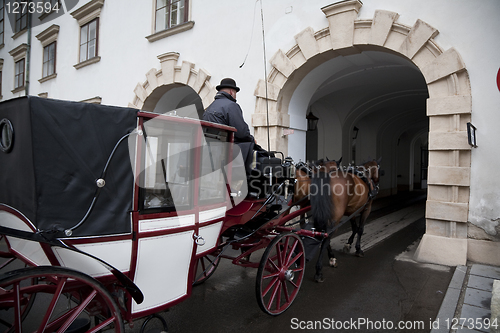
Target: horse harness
{"type": "Point", "coordinates": [373, 188]}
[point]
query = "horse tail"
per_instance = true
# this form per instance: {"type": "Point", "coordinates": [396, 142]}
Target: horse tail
{"type": "Point", "coordinates": [321, 202]}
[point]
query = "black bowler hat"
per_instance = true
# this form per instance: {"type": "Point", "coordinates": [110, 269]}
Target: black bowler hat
{"type": "Point", "coordinates": [227, 83]}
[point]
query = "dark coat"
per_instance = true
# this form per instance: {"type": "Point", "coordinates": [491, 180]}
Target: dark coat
{"type": "Point", "coordinates": [225, 110]}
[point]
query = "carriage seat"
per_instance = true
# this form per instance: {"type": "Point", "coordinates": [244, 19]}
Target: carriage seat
{"type": "Point", "coordinates": [264, 165]}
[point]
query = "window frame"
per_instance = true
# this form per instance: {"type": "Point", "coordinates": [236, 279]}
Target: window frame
{"type": "Point", "coordinates": [187, 24]}
{"type": "Point", "coordinates": [21, 74]}
{"type": "Point", "coordinates": [48, 61]}
{"type": "Point", "coordinates": [18, 18]}
{"type": "Point", "coordinates": [84, 15]}
{"type": "Point", "coordinates": [96, 39]}
{"type": "Point", "coordinates": [168, 18]}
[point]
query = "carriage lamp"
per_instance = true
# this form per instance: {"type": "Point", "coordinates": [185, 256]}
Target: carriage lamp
{"type": "Point", "coordinates": [355, 131]}
{"type": "Point", "coordinates": [312, 121]}
{"type": "Point", "coordinates": [6, 135]}
{"type": "Point", "coordinates": [471, 134]}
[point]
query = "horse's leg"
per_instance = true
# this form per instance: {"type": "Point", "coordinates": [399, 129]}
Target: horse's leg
{"type": "Point", "coordinates": [332, 260]}
{"type": "Point", "coordinates": [354, 228]}
{"type": "Point", "coordinates": [361, 228]}
{"type": "Point", "coordinates": [319, 264]}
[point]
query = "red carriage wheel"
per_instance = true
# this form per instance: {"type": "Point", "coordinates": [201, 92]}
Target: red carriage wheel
{"type": "Point", "coordinates": [280, 273]}
{"type": "Point", "coordinates": [70, 300]}
{"type": "Point", "coordinates": [205, 267]}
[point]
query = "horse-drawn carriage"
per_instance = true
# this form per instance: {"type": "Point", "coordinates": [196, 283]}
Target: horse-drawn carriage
{"type": "Point", "coordinates": [110, 214]}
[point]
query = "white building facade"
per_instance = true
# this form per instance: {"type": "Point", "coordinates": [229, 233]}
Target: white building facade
{"type": "Point", "coordinates": [394, 79]}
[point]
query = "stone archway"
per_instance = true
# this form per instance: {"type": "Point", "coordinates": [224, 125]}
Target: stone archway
{"type": "Point", "coordinates": [449, 108]}
{"type": "Point", "coordinates": [170, 75]}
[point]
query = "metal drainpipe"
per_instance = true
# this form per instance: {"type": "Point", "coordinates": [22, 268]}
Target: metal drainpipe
{"type": "Point", "coordinates": [28, 57]}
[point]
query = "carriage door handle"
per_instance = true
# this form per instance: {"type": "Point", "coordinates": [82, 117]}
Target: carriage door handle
{"type": "Point", "coordinates": [199, 240]}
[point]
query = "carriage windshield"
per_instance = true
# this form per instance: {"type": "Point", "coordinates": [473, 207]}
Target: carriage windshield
{"type": "Point", "coordinates": [173, 160]}
{"type": "Point", "coordinates": [167, 166]}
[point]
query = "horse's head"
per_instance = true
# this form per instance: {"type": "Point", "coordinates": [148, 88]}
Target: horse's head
{"type": "Point", "coordinates": [326, 165]}
{"type": "Point", "coordinates": [372, 167]}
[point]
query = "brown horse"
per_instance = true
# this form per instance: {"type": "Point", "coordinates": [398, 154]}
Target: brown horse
{"type": "Point", "coordinates": [334, 193]}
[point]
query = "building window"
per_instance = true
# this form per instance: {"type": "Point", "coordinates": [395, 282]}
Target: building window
{"type": "Point", "coordinates": [170, 13]}
{"type": "Point", "coordinates": [19, 74]}
{"type": "Point", "coordinates": [171, 17]}
{"type": "Point", "coordinates": [88, 20]}
{"type": "Point", "coordinates": [48, 39]}
{"type": "Point", "coordinates": [49, 59]}
{"type": "Point", "coordinates": [21, 19]}
{"type": "Point", "coordinates": [88, 40]}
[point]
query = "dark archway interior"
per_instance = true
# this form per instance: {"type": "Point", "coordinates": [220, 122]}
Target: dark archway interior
{"type": "Point", "coordinates": [370, 105]}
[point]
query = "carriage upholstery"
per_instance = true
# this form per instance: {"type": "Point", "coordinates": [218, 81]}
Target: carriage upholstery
{"type": "Point", "coordinates": [59, 151]}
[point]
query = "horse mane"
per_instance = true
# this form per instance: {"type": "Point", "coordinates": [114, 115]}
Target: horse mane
{"type": "Point", "coordinates": [321, 203]}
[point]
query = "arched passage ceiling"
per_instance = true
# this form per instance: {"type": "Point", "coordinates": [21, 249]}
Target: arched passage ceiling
{"type": "Point", "coordinates": [373, 81]}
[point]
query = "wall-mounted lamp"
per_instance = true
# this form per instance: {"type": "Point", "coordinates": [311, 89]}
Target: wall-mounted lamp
{"type": "Point", "coordinates": [312, 121]}
{"type": "Point", "coordinates": [471, 133]}
{"type": "Point", "coordinates": [355, 131]}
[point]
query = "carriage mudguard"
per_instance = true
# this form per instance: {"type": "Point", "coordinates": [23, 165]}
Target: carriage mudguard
{"type": "Point", "coordinates": [131, 287]}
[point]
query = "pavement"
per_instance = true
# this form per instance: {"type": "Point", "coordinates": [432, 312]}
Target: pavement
{"type": "Point", "coordinates": [466, 306]}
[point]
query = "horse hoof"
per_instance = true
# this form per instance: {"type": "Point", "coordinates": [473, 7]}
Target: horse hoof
{"type": "Point", "coordinates": [319, 278]}
{"type": "Point", "coordinates": [347, 248]}
{"type": "Point", "coordinates": [333, 262]}
{"type": "Point", "coordinates": [360, 254]}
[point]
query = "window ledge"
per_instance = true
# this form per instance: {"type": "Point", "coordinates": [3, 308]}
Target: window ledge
{"type": "Point", "coordinates": [87, 62]}
{"type": "Point", "coordinates": [1, 46]}
{"type": "Point", "coordinates": [48, 77]}
{"type": "Point", "coordinates": [169, 32]}
{"type": "Point", "coordinates": [19, 89]}
{"type": "Point", "coordinates": [20, 33]}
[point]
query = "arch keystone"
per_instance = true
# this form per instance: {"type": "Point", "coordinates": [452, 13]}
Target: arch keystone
{"type": "Point", "coordinates": [168, 62]}
{"type": "Point", "coordinates": [341, 17]}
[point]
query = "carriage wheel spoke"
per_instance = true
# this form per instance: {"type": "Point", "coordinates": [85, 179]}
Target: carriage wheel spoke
{"type": "Point", "coordinates": [283, 249]}
{"type": "Point", "coordinates": [52, 305]}
{"type": "Point", "coordinates": [285, 291]}
{"type": "Point", "coordinates": [273, 294]}
{"type": "Point", "coordinates": [290, 254]}
{"type": "Point", "coordinates": [77, 311]}
{"type": "Point", "coordinates": [99, 327]}
{"type": "Point", "coordinates": [269, 286]}
{"type": "Point", "coordinates": [17, 307]}
{"type": "Point", "coordinates": [270, 268]}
